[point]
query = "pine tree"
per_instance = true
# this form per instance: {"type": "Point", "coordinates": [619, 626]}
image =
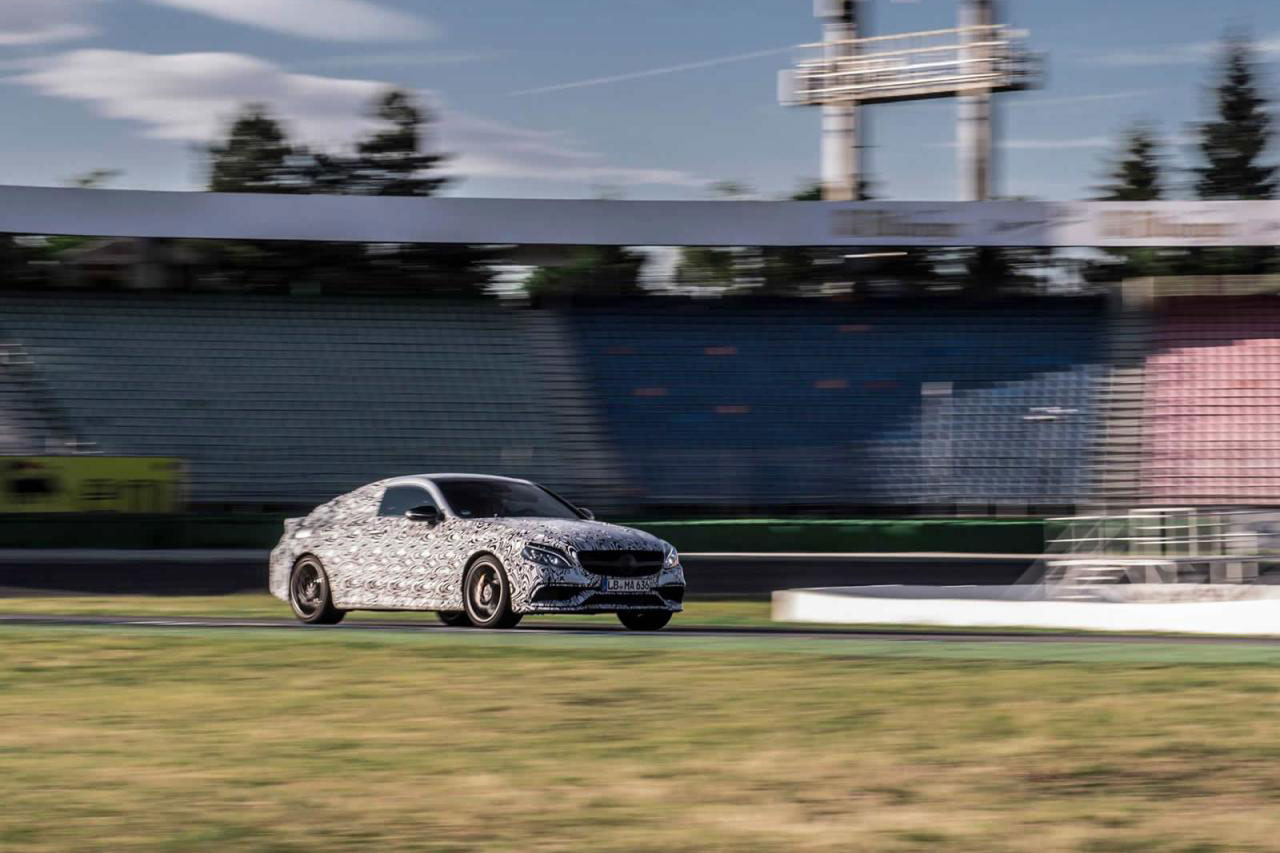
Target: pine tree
{"type": "Point", "coordinates": [1233, 145]}
{"type": "Point", "coordinates": [1136, 174]}
{"type": "Point", "coordinates": [254, 158]}
{"type": "Point", "coordinates": [1235, 141]}
{"type": "Point", "coordinates": [392, 161]}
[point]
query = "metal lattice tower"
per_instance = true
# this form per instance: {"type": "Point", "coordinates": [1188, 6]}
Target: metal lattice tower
{"type": "Point", "coordinates": [849, 69]}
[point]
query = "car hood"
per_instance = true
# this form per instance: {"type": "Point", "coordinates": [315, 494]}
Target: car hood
{"type": "Point", "coordinates": [569, 533]}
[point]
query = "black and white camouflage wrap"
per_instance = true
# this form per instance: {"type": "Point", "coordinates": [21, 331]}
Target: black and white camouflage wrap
{"type": "Point", "coordinates": [384, 563]}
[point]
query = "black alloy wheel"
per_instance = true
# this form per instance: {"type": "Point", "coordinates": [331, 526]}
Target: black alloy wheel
{"type": "Point", "coordinates": [486, 594]}
{"type": "Point", "coordinates": [310, 596]}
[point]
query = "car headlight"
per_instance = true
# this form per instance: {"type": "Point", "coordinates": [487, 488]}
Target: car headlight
{"type": "Point", "coordinates": [672, 558]}
{"type": "Point", "coordinates": [544, 556]}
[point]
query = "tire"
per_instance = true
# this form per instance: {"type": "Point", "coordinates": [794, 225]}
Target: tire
{"type": "Point", "coordinates": [309, 594]}
{"type": "Point", "coordinates": [486, 595]}
{"type": "Point", "coordinates": [644, 620]}
{"type": "Point", "coordinates": [454, 618]}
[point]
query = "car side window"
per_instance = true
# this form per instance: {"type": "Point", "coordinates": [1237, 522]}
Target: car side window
{"type": "Point", "coordinates": [397, 500]}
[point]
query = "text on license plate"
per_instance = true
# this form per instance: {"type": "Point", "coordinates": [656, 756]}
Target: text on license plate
{"type": "Point", "coordinates": [629, 584]}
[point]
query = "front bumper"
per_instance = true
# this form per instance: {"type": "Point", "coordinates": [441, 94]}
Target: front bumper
{"type": "Point", "coordinates": [583, 592]}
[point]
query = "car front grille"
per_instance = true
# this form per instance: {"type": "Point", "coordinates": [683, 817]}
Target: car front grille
{"type": "Point", "coordinates": [614, 599]}
{"type": "Point", "coordinates": [621, 564]}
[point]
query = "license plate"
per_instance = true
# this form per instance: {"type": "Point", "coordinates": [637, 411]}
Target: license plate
{"type": "Point", "coordinates": [644, 584]}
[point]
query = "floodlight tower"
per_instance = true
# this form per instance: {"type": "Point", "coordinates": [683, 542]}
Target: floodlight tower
{"type": "Point", "coordinates": [841, 130]}
{"type": "Point", "coordinates": [974, 132]}
{"type": "Point", "coordinates": [848, 70]}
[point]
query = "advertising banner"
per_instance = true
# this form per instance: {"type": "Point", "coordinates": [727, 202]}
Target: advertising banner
{"type": "Point", "coordinates": [47, 484]}
{"type": "Point", "coordinates": [546, 222]}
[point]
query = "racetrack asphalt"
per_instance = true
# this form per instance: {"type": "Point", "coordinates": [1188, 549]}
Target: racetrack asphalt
{"type": "Point", "coordinates": [675, 631]}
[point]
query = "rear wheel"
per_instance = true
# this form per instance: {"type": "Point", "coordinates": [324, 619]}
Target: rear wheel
{"type": "Point", "coordinates": [310, 596]}
{"type": "Point", "coordinates": [644, 620]}
{"type": "Point", "coordinates": [486, 594]}
{"type": "Point", "coordinates": [454, 618]}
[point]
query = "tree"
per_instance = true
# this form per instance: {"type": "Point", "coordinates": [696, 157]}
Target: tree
{"type": "Point", "coordinates": [1233, 143]}
{"type": "Point", "coordinates": [392, 161]}
{"type": "Point", "coordinates": [1136, 174]}
{"type": "Point", "coordinates": [708, 268]}
{"type": "Point", "coordinates": [95, 178]}
{"type": "Point", "coordinates": [254, 158]}
{"type": "Point", "coordinates": [595, 273]}
{"type": "Point", "coordinates": [791, 270]}
{"type": "Point", "coordinates": [1232, 146]}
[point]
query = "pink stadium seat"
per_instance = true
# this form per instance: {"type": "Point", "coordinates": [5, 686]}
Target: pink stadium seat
{"type": "Point", "coordinates": [1213, 402]}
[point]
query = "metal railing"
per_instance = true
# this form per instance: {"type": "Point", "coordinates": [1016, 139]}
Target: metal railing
{"type": "Point", "coordinates": [914, 65]}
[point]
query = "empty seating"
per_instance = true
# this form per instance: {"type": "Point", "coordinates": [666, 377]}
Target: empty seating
{"type": "Point", "coordinates": [822, 405]}
{"type": "Point", "coordinates": [288, 400]}
{"type": "Point", "coordinates": [283, 400]}
{"type": "Point", "coordinates": [1213, 402]}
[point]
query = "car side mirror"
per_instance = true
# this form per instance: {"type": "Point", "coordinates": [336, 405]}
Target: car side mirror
{"type": "Point", "coordinates": [587, 514]}
{"type": "Point", "coordinates": [426, 512]}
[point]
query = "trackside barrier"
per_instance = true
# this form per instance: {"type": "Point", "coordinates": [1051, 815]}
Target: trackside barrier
{"type": "Point", "coordinates": [756, 535]}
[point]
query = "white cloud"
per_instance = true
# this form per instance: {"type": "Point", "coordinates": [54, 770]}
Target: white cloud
{"type": "Point", "coordinates": [334, 20]}
{"type": "Point", "coordinates": [1173, 54]}
{"type": "Point", "coordinates": [44, 21]}
{"type": "Point", "coordinates": [1186, 53]}
{"type": "Point", "coordinates": [190, 97]}
{"type": "Point", "coordinates": [1017, 144]}
{"type": "Point", "coordinates": [405, 59]}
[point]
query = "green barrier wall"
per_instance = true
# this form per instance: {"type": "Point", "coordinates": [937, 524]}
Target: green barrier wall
{"type": "Point", "coordinates": [974, 536]}
{"type": "Point", "coordinates": [977, 536]}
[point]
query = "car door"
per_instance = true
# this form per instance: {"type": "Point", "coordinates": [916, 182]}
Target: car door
{"type": "Point", "coordinates": [402, 552]}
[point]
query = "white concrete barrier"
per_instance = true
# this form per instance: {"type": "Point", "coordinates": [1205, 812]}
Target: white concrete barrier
{"type": "Point", "coordinates": [1251, 610]}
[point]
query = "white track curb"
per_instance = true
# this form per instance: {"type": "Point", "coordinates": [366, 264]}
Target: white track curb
{"type": "Point", "coordinates": [1009, 607]}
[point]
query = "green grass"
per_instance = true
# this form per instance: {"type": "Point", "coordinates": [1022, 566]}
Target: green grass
{"type": "Point", "coordinates": [265, 740]}
{"type": "Point", "coordinates": [708, 612]}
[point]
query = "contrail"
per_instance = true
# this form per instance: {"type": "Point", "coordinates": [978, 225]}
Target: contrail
{"type": "Point", "coordinates": [653, 72]}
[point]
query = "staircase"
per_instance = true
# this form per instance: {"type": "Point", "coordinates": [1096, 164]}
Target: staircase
{"type": "Point", "coordinates": [581, 434]}
{"type": "Point", "coordinates": [1120, 437]}
{"type": "Point", "coordinates": [1078, 580]}
{"type": "Point", "coordinates": [32, 422]}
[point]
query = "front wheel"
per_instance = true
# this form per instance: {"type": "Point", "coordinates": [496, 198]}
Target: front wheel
{"type": "Point", "coordinates": [310, 596]}
{"type": "Point", "coordinates": [454, 618]}
{"type": "Point", "coordinates": [486, 594]}
{"type": "Point", "coordinates": [644, 620]}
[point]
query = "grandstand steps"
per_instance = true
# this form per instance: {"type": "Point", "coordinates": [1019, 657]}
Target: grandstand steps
{"type": "Point", "coordinates": [1119, 446]}
{"type": "Point", "coordinates": [1080, 580]}
{"type": "Point", "coordinates": [31, 422]}
{"type": "Point", "coordinates": [580, 428]}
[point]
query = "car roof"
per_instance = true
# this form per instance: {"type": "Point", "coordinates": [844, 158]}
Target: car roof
{"type": "Point", "coordinates": [444, 478]}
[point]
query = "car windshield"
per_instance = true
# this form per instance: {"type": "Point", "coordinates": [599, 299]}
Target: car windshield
{"type": "Point", "coordinates": [503, 499]}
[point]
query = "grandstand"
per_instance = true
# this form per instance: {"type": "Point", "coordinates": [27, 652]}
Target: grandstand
{"type": "Point", "coordinates": [283, 401]}
{"type": "Point", "coordinates": [1212, 416]}
{"type": "Point", "coordinates": [662, 404]}
{"type": "Point", "coordinates": [830, 405]}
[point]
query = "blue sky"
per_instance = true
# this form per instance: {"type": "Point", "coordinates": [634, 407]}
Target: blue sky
{"type": "Point", "coordinates": [139, 85]}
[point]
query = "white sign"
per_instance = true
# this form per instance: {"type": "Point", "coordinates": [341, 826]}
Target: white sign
{"type": "Point", "coordinates": [127, 213]}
